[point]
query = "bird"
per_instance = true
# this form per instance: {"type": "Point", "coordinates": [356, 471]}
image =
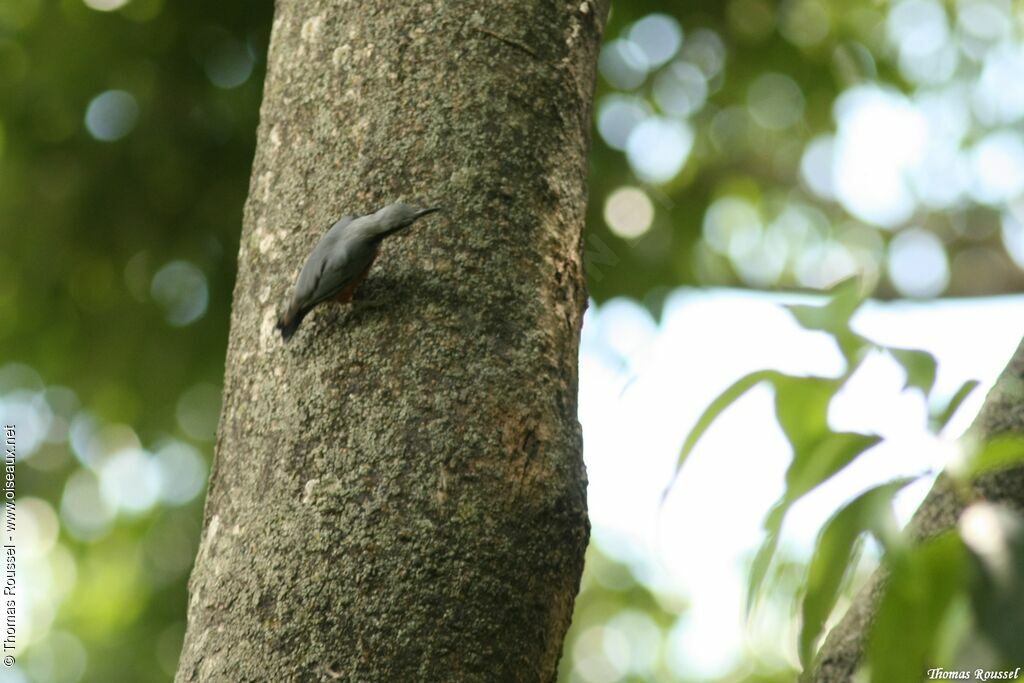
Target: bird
{"type": "Point", "coordinates": [342, 259]}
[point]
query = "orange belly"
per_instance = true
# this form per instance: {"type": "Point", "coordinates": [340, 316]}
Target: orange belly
{"type": "Point", "coordinates": [346, 293]}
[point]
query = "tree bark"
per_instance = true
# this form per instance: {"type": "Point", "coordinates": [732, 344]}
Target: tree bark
{"type": "Point", "coordinates": [398, 494]}
{"type": "Point", "coordinates": [1002, 412]}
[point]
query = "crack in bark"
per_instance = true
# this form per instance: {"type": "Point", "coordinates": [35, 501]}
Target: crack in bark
{"type": "Point", "coordinates": [509, 41]}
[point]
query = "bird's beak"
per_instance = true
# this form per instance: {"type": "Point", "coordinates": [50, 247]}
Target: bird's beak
{"type": "Point", "coordinates": [423, 212]}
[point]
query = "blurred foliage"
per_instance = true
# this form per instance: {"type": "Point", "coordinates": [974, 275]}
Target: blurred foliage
{"type": "Point", "coordinates": [980, 563]}
{"type": "Point", "coordinates": [126, 133]}
{"type": "Point", "coordinates": [89, 223]}
{"type": "Point", "coordinates": [125, 143]}
{"type": "Point", "coordinates": [791, 144]}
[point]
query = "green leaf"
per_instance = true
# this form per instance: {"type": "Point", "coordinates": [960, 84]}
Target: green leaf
{"type": "Point", "coordinates": [920, 367]}
{"type": "Point", "coordinates": [999, 453]}
{"type": "Point", "coordinates": [923, 584]}
{"type": "Point", "coordinates": [813, 466]}
{"type": "Point", "coordinates": [809, 468]}
{"type": "Point", "coordinates": [834, 557]}
{"type": "Point", "coordinates": [844, 300]}
{"type": "Point", "coordinates": [801, 408]}
{"type": "Point", "coordinates": [834, 317]}
{"type": "Point", "coordinates": [940, 419]}
{"type": "Point", "coordinates": [762, 561]}
{"type": "Point", "coordinates": [711, 413]}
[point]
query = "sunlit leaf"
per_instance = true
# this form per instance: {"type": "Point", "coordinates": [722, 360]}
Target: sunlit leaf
{"type": "Point", "coordinates": [834, 317]}
{"type": "Point", "coordinates": [813, 466]}
{"type": "Point", "coordinates": [717, 407]}
{"type": "Point", "coordinates": [834, 557]}
{"type": "Point", "coordinates": [765, 553]}
{"type": "Point", "coordinates": [942, 417]}
{"type": "Point", "coordinates": [920, 367]}
{"type": "Point", "coordinates": [810, 467]}
{"type": "Point", "coordinates": [801, 407]}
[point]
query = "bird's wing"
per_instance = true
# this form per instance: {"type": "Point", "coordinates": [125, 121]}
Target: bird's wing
{"type": "Point", "coordinates": [346, 262]}
{"type": "Point", "coordinates": [309, 282]}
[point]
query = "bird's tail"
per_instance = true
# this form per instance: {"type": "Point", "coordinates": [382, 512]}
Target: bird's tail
{"type": "Point", "coordinates": [289, 322]}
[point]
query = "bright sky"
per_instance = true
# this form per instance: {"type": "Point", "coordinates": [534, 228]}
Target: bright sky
{"type": "Point", "coordinates": [642, 386]}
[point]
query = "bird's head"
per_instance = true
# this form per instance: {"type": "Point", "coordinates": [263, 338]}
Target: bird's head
{"type": "Point", "coordinates": [396, 217]}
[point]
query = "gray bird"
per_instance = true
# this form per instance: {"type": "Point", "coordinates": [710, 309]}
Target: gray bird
{"type": "Point", "coordinates": [341, 260]}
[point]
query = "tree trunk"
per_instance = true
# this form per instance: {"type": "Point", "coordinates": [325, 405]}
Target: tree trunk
{"type": "Point", "coordinates": [398, 493]}
{"type": "Point", "coordinates": [1003, 412]}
